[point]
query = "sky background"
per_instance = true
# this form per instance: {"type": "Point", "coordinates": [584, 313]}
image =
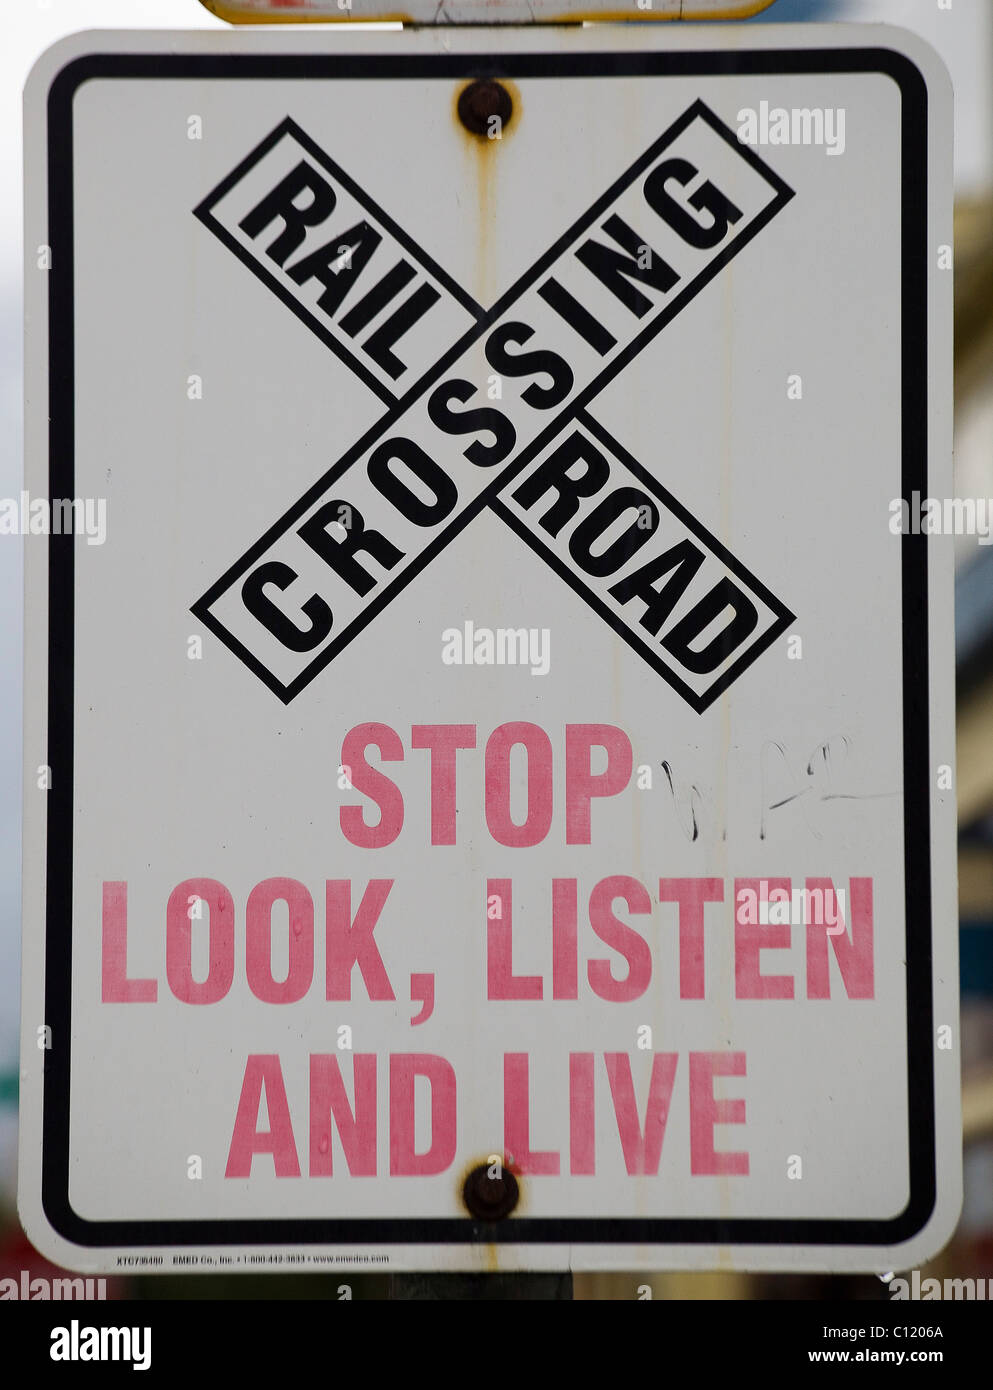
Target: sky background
{"type": "Point", "coordinates": [963, 36]}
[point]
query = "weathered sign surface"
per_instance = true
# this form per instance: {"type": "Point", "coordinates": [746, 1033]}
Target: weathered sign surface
{"type": "Point", "coordinates": [487, 787]}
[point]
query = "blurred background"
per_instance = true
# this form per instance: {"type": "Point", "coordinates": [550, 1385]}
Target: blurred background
{"type": "Point", "coordinates": [961, 31]}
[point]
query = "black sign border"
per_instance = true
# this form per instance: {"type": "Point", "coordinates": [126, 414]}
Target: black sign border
{"type": "Point", "coordinates": [660, 1231]}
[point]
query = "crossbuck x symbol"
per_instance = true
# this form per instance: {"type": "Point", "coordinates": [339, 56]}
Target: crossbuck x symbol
{"type": "Point", "coordinates": [538, 459]}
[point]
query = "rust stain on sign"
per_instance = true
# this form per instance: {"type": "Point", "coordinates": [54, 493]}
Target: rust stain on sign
{"type": "Point", "coordinates": [486, 112]}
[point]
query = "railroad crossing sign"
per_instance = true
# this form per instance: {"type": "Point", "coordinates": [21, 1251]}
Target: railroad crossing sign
{"type": "Point", "coordinates": [564, 298]}
{"type": "Point", "coordinates": [367, 362]}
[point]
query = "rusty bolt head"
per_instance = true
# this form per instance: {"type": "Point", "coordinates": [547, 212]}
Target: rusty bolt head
{"type": "Point", "coordinates": [480, 102]}
{"type": "Point", "coordinates": [490, 1199]}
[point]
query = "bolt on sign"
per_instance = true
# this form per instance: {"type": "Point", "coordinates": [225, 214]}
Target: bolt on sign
{"type": "Point", "coordinates": [488, 787]}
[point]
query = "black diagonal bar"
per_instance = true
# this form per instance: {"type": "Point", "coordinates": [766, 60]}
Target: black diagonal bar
{"type": "Point", "coordinates": [485, 320]}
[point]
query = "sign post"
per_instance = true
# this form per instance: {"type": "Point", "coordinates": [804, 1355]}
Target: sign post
{"type": "Point", "coordinates": [487, 748]}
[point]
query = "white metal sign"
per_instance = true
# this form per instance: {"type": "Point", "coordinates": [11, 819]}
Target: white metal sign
{"type": "Point", "coordinates": [488, 799]}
